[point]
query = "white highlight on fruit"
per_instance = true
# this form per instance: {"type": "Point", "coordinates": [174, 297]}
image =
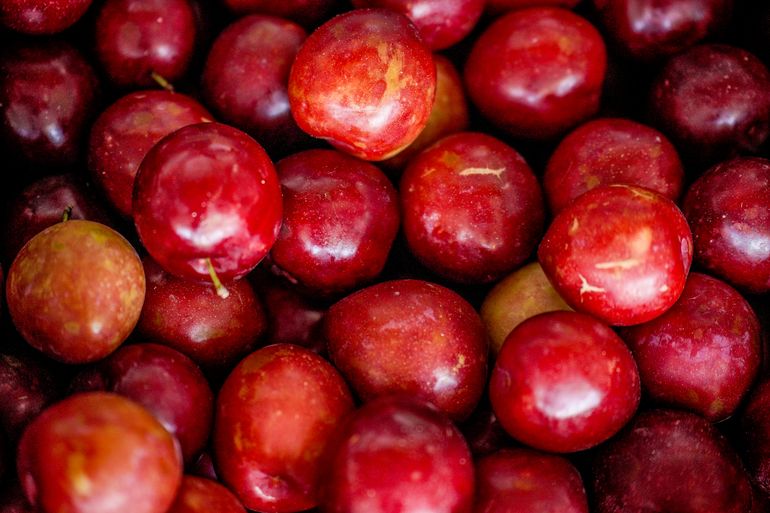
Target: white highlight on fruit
{"type": "Point", "coordinates": [587, 287]}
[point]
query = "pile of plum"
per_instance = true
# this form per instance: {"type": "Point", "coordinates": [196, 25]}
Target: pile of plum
{"type": "Point", "coordinates": [385, 256]}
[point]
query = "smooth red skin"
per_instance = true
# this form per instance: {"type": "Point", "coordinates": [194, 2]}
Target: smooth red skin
{"type": "Point", "coordinates": [728, 209]}
{"type": "Point", "coordinates": [497, 7]}
{"type": "Point", "coordinates": [537, 72]}
{"type": "Point", "coordinates": [135, 38]}
{"type": "Point", "coordinates": [472, 208]}
{"type": "Point", "coordinates": [755, 432]}
{"type": "Point", "coordinates": [40, 17]}
{"type": "Point", "coordinates": [207, 191]}
{"type": "Point", "coordinates": [191, 318]}
{"type": "Point", "coordinates": [713, 101]}
{"type": "Point", "coordinates": [75, 291]}
{"type": "Point", "coordinates": [564, 382]}
{"type": "Point", "coordinates": [305, 12]}
{"type": "Point", "coordinates": [524, 480]}
{"type": "Point", "coordinates": [43, 203]}
{"type": "Point", "coordinates": [365, 82]}
{"type": "Point", "coordinates": [448, 115]}
{"type": "Point", "coordinates": [340, 217]}
{"type": "Point", "coordinates": [253, 95]}
{"type": "Point", "coordinates": [650, 29]}
{"type": "Point", "coordinates": [26, 388]}
{"type": "Point", "coordinates": [368, 334]}
{"type": "Point", "coordinates": [611, 150]}
{"type": "Point", "coordinates": [198, 495]}
{"type": "Point", "coordinates": [441, 23]}
{"type": "Point", "coordinates": [398, 454]}
{"type": "Point", "coordinates": [123, 134]}
{"type": "Point", "coordinates": [291, 317]}
{"type": "Point", "coordinates": [98, 452]}
{"type": "Point", "coordinates": [618, 252]}
{"type": "Point", "coordinates": [703, 353]}
{"type": "Point", "coordinates": [669, 461]}
{"type": "Point", "coordinates": [275, 414]}
{"type": "Point", "coordinates": [164, 381]}
{"type": "Point", "coordinates": [47, 96]}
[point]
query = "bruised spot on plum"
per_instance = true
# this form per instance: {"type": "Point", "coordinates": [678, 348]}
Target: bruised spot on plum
{"type": "Point", "coordinates": [471, 171]}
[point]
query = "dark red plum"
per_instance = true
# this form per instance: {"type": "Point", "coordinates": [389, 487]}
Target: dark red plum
{"type": "Point", "coordinates": [39, 17]}
{"type": "Point", "coordinates": [123, 134]}
{"type": "Point", "coordinates": [253, 95]}
{"type": "Point", "coordinates": [136, 39]}
{"type": "Point", "coordinates": [275, 415]}
{"type": "Point", "coordinates": [340, 217]}
{"type": "Point", "coordinates": [537, 72]}
{"type": "Point", "coordinates": [755, 430]}
{"type": "Point", "coordinates": [703, 353]}
{"type": "Point", "coordinates": [364, 82]}
{"type": "Point", "coordinates": [483, 432]}
{"type": "Point", "coordinates": [652, 29]}
{"type": "Point", "coordinates": [398, 454]}
{"type": "Point", "coordinates": [728, 209]}
{"type": "Point", "coordinates": [564, 382]}
{"type": "Point", "coordinates": [669, 461]}
{"type": "Point", "coordinates": [75, 291]}
{"type": "Point", "coordinates": [207, 202]}
{"type": "Point", "coordinates": [618, 252]}
{"type": "Point", "coordinates": [197, 495]}
{"type": "Point", "coordinates": [305, 12]}
{"type": "Point", "coordinates": [524, 480]}
{"type": "Point", "coordinates": [190, 317]}
{"type": "Point", "coordinates": [27, 387]}
{"type": "Point", "coordinates": [167, 383]}
{"type": "Point", "coordinates": [441, 23]}
{"type": "Point", "coordinates": [411, 337]}
{"type": "Point", "coordinates": [99, 453]}
{"type": "Point", "coordinates": [497, 7]}
{"type": "Point", "coordinates": [472, 208]}
{"type": "Point", "coordinates": [607, 151]}
{"type": "Point", "coordinates": [713, 101]}
{"type": "Point", "coordinates": [47, 95]}
{"type": "Point", "coordinates": [44, 203]}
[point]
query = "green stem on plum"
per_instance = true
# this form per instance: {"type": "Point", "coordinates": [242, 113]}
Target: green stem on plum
{"type": "Point", "coordinates": [165, 84]}
{"type": "Point", "coordinates": [221, 289]}
{"type": "Point", "coordinates": [66, 215]}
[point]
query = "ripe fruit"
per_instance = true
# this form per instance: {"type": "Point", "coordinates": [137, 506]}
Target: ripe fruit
{"type": "Point", "coordinates": [39, 17]}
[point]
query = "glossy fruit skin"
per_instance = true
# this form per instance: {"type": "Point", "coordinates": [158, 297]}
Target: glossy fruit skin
{"type": "Point", "coordinates": [497, 7]}
{"type": "Point", "coordinates": [713, 101]}
{"type": "Point", "coordinates": [703, 353]}
{"type": "Point", "coordinates": [473, 210]}
{"type": "Point", "coordinates": [207, 191]}
{"type": "Point", "coordinates": [522, 294]}
{"type": "Point", "coordinates": [340, 219]}
{"type": "Point", "coordinates": [99, 453]}
{"type": "Point", "coordinates": [448, 115]}
{"type": "Point", "coordinates": [307, 13]}
{"type": "Point", "coordinates": [398, 454]}
{"type": "Point", "coordinates": [38, 17]}
{"type": "Point", "coordinates": [75, 291]}
{"type": "Point", "coordinates": [651, 29]}
{"type": "Point", "coordinates": [564, 382]}
{"type": "Point", "coordinates": [525, 480]}
{"type": "Point", "coordinates": [47, 94]}
{"type": "Point", "coordinates": [755, 430]}
{"type": "Point", "coordinates": [369, 332]}
{"type": "Point", "coordinates": [123, 134]}
{"type": "Point", "coordinates": [26, 388]}
{"type": "Point", "coordinates": [135, 38]}
{"type": "Point", "coordinates": [253, 95]}
{"type": "Point", "coordinates": [537, 72]}
{"type": "Point", "coordinates": [441, 23]}
{"type": "Point", "coordinates": [190, 317]}
{"type": "Point", "coordinates": [669, 461]}
{"type": "Point", "coordinates": [618, 252]}
{"type": "Point", "coordinates": [365, 82]}
{"type": "Point", "coordinates": [275, 414]}
{"type": "Point", "coordinates": [43, 203]}
{"type": "Point", "coordinates": [611, 150]}
{"type": "Point", "coordinates": [198, 495]}
{"type": "Point", "coordinates": [167, 383]}
{"type": "Point", "coordinates": [728, 211]}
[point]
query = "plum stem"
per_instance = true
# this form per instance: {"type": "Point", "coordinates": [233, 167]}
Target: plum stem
{"type": "Point", "coordinates": [221, 289]}
{"type": "Point", "coordinates": [165, 84]}
{"type": "Point", "coordinates": [66, 215]}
